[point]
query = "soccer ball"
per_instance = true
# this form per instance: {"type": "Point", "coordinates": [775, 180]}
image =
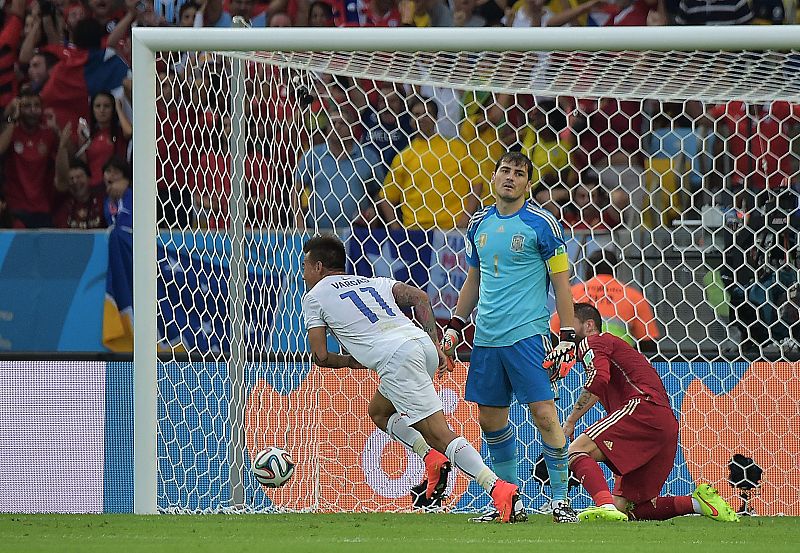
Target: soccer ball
{"type": "Point", "coordinates": [273, 467]}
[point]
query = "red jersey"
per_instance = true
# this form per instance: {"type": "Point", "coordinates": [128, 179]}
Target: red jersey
{"type": "Point", "coordinates": [617, 373]}
{"type": "Point", "coordinates": [635, 15]}
{"type": "Point", "coordinates": [102, 148]}
{"type": "Point", "coordinates": [74, 214]}
{"type": "Point", "coordinates": [30, 170]}
{"type": "Point", "coordinates": [759, 141]}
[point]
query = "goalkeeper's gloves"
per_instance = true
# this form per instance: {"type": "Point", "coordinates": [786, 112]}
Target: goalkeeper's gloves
{"type": "Point", "coordinates": [453, 335]}
{"type": "Point", "coordinates": [562, 358]}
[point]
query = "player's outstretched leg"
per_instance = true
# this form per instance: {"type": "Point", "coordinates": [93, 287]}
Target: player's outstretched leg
{"type": "Point", "coordinates": [712, 505]}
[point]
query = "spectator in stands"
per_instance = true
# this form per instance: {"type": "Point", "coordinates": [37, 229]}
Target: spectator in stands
{"type": "Point", "coordinates": [213, 187]}
{"type": "Point", "coordinates": [434, 181]}
{"type": "Point", "coordinates": [10, 36]}
{"type": "Point", "coordinates": [387, 124]}
{"type": "Point", "coordinates": [464, 14]}
{"type": "Point", "coordinates": [761, 280]}
{"type": "Point", "coordinates": [39, 69]}
{"type": "Point", "coordinates": [179, 126]}
{"type": "Point", "coordinates": [118, 178]}
{"type": "Point", "coordinates": [759, 139]}
{"type": "Point", "coordinates": [678, 166]}
{"type": "Point", "coordinates": [215, 16]}
{"type": "Point", "coordinates": [106, 135]}
{"type": "Point", "coordinates": [375, 13]}
{"type": "Point", "coordinates": [105, 12]}
{"type": "Point", "coordinates": [30, 146]}
{"type": "Point", "coordinates": [84, 69]}
{"type": "Point", "coordinates": [639, 13]}
{"type": "Point", "coordinates": [83, 208]}
{"type": "Point", "coordinates": [590, 208]}
{"type": "Point", "coordinates": [534, 13]}
{"type": "Point", "coordinates": [320, 14]}
{"type": "Point", "coordinates": [74, 12]}
{"type": "Point", "coordinates": [542, 143]}
{"type": "Point", "coordinates": [487, 130]}
{"type": "Point", "coordinates": [280, 19]}
{"type": "Point", "coordinates": [625, 311]}
{"type": "Point", "coordinates": [338, 178]}
{"type": "Point", "coordinates": [187, 14]}
{"type": "Point", "coordinates": [713, 12]}
{"type": "Point", "coordinates": [608, 136]}
{"type": "Point", "coordinates": [425, 13]}
{"type": "Point", "coordinates": [314, 14]}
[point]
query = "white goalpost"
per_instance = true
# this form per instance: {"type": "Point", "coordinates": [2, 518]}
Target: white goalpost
{"type": "Point", "coordinates": [231, 149]}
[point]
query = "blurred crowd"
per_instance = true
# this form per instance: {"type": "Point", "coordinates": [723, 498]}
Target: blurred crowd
{"type": "Point", "coordinates": [65, 92]}
{"type": "Point", "coordinates": [324, 151]}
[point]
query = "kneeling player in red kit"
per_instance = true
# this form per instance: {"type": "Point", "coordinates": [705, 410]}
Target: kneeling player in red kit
{"type": "Point", "coordinates": [637, 439]}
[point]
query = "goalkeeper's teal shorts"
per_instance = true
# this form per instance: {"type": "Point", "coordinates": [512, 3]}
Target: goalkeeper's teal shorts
{"type": "Point", "coordinates": [495, 373]}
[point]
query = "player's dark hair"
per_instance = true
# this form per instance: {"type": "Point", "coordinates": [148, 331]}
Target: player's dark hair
{"type": "Point", "coordinates": [328, 249]}
{"type": "Point", "coordinates": [188, 6]}
{"type": "Point", "coordinates": [115, 129]}
{"type": "Point", "coordinates": [78, 164]}
{"type": "Point", "coordinates": [587, 311]}
{"type": "Point", "coordinates": [326, 8]}
{"type": "Point", "coordinates": [49, 58]}
{"type": "Point", "coordinates": [122, 166]}
{"type": "Point", "coordinates": [88, 34]}
{"type": "Point", "coordinates": [516, 159]}
{"type": "Point", "coordinates": [601, 262]}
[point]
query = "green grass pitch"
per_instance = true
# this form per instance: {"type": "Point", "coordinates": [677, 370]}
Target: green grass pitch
{"type": "Point", "coordinates": [384, 533]}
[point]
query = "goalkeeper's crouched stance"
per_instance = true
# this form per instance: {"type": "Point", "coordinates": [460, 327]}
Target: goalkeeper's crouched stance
{"type": "Point", "coordinates": [514, 250]}
{"type": "Point", "coordinates": [637, 439]}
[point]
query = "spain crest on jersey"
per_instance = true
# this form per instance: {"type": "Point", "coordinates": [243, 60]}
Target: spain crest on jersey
{"type": "Point", "coordinates": [517, 242]}
{"type": "Point", "coordinates": [588, 357]}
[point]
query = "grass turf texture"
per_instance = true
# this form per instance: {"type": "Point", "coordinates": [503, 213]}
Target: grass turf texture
{"type": "Point", "coordinates": [383, 533]}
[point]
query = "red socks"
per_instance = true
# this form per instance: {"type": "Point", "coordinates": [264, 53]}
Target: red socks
{"type": "Point", "coordinates": [662, 508]}
{"type": "Point", "coordinates": [589, 473]}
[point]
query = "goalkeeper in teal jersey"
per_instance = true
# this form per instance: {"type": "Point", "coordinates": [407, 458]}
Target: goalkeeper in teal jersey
{"type": "Point", "coordinates": [515, 249]}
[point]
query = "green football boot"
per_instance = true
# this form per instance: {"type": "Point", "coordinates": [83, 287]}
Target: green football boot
{"type": "Point", "coordinates": [601, 514]}
{"type": "Point", "coordinates": [712, 505]}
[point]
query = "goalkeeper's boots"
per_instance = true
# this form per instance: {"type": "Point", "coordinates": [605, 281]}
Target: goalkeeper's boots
{"type": "Point", "coordinates": [712, 505]}
{"type": "Point", "coordinates": [602, 514]}
{"type": "Point", "coordinates": [505, 497]}
{"type": "Point", "coordinates": [563, 513]}
{"type": "Point", "coordinates": [437, 467]}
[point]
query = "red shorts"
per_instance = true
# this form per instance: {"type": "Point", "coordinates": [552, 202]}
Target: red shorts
{"type": "Point", "coordinates": [639, 440]}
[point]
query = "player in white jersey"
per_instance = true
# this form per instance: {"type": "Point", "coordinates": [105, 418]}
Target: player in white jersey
{"type": "Point", "coordinates": [364, 314]}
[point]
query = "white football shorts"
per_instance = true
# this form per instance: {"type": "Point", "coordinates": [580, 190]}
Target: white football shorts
{"type": "Point", "coordinates": [407, 380]}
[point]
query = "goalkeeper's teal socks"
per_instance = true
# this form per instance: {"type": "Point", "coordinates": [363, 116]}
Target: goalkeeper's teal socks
{"type": "Point", "coordinates": [502, 446]}
{"type": "Point", "coordinates": [556, 460]}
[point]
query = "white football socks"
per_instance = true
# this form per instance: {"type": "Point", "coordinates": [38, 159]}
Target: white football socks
{"type": "Point", "coordinates": [469, 461]}
{"type": "Point", "coordinates": [399, 431]}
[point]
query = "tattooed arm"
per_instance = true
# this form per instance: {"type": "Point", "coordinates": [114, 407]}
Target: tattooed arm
{"type": "Point", "coordinates": [585, 402]}
{"type": "Point", "coordinates": [411, 296]}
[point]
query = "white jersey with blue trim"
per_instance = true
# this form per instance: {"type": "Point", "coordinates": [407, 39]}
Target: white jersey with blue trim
{"type": "Point", "coordinates": [512, 253]}
{"type": "Point", "coordinates": [362, 314]}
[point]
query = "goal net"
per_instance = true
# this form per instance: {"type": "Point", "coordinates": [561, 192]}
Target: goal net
{"type": "Point", "coordinates": [673, 172]}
